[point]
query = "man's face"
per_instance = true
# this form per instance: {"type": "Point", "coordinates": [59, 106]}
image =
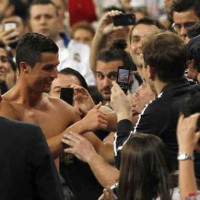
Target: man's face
{"type": "Point", "coordinates": [143, 95]}
{"type": "Point", "coordinates": [40, 77]}
{"type": "Point", "coordinates": [44, 20]}
{"type": "Point", "coordinates": [137, 34]}
{"type": "Point", "coordinates": [182, 21]}
{"type": "Point", "coordinates": [106, 72]}
{"type": "Point", "coordinates": [3, 64]}
{"type": "Point", "coordinates": [62, 81]}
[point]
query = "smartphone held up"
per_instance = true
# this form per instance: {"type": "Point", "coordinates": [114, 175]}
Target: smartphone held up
{"type": "Point", "coordinates": [123, 78]}
{"type": "Point", "coordinates": [124, 20]}
{"type": "Point", "coordinates": [66, 94]}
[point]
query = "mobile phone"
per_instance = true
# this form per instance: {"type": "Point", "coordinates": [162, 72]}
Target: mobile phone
{"type": "Point", "coordinates": [66, 94]}
{"type": "Point", "coordinates": [10, 25]}
{"type": "Point", "coordinates": [123, 76]}
{"type": "Point", "coordinates": [114, 189]}
{"type": "Point", "coordinates": [124, 20]}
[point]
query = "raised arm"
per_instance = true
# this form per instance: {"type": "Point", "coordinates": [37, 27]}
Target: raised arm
{"type": "Point", "coordinates": [105, 28]}
{"type": "Point", "coordinates": [187, 140]}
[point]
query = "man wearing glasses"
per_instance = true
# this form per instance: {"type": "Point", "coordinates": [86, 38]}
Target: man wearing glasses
{"type": "Point", "coordinates": [184, 14]}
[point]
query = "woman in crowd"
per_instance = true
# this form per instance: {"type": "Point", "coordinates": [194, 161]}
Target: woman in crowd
{"type": "Point", "coordinates": [146, 171]}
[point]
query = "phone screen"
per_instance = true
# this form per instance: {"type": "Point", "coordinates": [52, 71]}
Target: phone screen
{"type": "Point", "coordinates": [123, 77]}
{"type": "Point", "coordinates": [66, 94]}
{"type": "Point", "coordinates": [9, 25]}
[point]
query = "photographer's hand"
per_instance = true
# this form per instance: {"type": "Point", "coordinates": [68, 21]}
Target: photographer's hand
{"type": "Point", "coordinates": [107, 194]}
{"type": "Point", "coordinates": [121, 103]}
{"type": "Point", "coordinates": [186, 133]}
{"type": "Point", "coordinates": [8, 37]}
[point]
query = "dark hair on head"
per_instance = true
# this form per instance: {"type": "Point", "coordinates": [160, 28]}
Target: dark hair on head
{"type": "Point", "coordinates": [146, 169]}
{"type": "Point", "coordinates": [31, 46]}
{"type": "Point", "coordinates": [194, 30]}
{"type": "Point", "coordinates": [82, 25]}
{"type": "Point", "coordinates": [184, 5]}
{"type": "Point", "coordinates": [117, 52]}
{"type": "Point", "coordinates": [42, 2]}
{"type": "Point", "coordinates": [147, 21]}
{"type": "Point", "coordinates": [70, 71]}
{"type": "Point", "coordinates": [166, 53]}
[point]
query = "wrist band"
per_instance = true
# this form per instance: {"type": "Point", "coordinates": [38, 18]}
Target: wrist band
{"type": "Point", "coordinates": [185, 156]}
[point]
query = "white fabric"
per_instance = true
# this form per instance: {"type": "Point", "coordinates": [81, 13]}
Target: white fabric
{"type": "Point", "coordinates": [76, 56]}
{"type": "Point", "coordinates": [175, 194]}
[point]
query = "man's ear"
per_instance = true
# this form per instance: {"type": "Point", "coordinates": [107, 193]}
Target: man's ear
{"type": "Point", "coordinates": [151, 73]}
{"type": "Point", "coordinates": [24, 67]}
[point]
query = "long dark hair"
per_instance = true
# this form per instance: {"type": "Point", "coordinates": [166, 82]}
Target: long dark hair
{"type": "Point", "coordinates": [146, 169]}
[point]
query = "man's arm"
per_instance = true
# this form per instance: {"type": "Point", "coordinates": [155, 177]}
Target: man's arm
{"type": "Point", "coordinates": [92, 121]}
{"type": "Point", "coordinates": [105, 28]}
{"type": "Point", "coordinates": [105, 173]}
{"type": "Point", "coordinates": [187, 139]}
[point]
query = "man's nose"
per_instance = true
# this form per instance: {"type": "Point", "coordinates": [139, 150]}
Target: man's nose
{"type": "Point", "coordinates": [54, 73]}
{"type": "Point", "coordinates": [183, 31]}
{"type": "Point", "coordinates": [107, 82]}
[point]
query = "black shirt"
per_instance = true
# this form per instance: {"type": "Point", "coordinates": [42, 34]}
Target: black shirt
{"type": "Point", "coordinates": [160, 118]}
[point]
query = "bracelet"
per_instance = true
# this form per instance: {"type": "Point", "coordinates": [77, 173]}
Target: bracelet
{"type": "Point", "coordinates": [185, 156]}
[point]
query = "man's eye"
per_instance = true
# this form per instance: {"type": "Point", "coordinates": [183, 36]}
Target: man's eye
{"type": "Point", "coordinates": [113, 76]}
{"type": "Point", "coordinates": [100, 76]}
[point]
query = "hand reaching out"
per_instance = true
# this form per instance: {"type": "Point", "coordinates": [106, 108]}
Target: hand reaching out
{"type": "Point", "coordinates": [83, 102]}
{"type": "Point", "coordinates": [79, 146]}
{"type": "Point", "coordinates": [186, 133]}
{"type": "Point", "coordinates": [95, 119]}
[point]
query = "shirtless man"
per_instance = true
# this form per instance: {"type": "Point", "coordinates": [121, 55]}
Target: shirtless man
{"type": "Point", "coordinates": [37, 60]}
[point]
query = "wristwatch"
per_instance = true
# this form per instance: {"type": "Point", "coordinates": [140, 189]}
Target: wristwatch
{"type": "Point", "coordinates": [185, 156]}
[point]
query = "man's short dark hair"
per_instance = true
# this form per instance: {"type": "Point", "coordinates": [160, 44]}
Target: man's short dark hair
{"type": "Point", "coordinates": [147, 21]}
{"type": "Point", "coordinates": [166, 53]}
{"type": "Point", "coordinates": [194, 30]}
{"type": "Point", "coordinates": [70, 71]}
{"type": "Point", "coordinates": [184, 5]}
{"type": "Point", "coordinates": [42, 2]}
{"type": "Point", "coordinates": [31, 46]}
{"type": "Point", "coordinates": [116, 52]}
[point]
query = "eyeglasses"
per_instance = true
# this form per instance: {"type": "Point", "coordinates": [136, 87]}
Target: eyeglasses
{"type": "Point", "coordinates": [186, 25]}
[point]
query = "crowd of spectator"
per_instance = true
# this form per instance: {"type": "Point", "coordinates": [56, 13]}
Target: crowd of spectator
{"type": "Point", "coordinates": [102, 143]}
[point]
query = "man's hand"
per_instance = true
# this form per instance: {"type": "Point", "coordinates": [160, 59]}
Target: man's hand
{"type": "Point", "coordinates": [107, 194]}
{"type": "Point", "coordinates": [79, 146]}
{"type": "Point", "coordinates": [95, 119]}
{"type": "Point", "coordinates": [121, 103]}
{"type": "Point", "coordinates": [186, 133]}
{"type": "Point", "coordinates": [106, 25]}
{"type": "Point", "coordinates": [83, 102]}
{"type": "Point", "coordinates": [9, 37]}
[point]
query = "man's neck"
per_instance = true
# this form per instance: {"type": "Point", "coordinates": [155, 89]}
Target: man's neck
{"type": "Point", "coordinates": [158, 86]}
{"type": "Point", "coordinates": [21, 94]}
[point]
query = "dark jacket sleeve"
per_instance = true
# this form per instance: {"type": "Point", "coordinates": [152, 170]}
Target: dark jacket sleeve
{"type": "Point", "coordinates": [124, 128]}
{"type": "Point", "coordinates": [45, 177]}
